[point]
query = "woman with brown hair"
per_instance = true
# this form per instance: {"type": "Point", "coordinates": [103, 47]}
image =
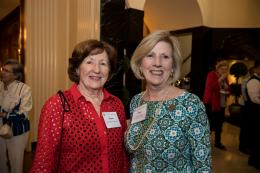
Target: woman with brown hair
{"type": "Point", "coordinates": [89, 136]}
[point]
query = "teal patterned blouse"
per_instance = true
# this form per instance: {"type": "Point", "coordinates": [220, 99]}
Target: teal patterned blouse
{"type": "Point", "coordinates": [176, 140]}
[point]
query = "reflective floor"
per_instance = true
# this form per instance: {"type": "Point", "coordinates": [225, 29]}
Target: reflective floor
{"type": "Point", "coordinates": [230, 161]}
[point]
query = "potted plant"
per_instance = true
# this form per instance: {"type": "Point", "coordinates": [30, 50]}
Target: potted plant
{"type": "Point", "coordinates": [238, 69]}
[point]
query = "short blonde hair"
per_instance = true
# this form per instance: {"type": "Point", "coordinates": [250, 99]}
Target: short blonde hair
{"type": "Point", "coordinates": [221, 64]}
{"type": "Point", "coordinates": [147, 45]}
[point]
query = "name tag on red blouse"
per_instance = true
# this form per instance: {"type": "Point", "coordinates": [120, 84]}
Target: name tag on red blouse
{"type": "Point", "coordinates": [111, 119]}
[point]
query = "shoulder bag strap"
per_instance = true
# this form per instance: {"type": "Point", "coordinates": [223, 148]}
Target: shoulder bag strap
{"type": "Point", "coordinates": [65, 108]}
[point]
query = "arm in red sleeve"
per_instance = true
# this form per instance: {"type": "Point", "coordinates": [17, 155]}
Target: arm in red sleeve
{"type": "Point", "coordinates": [48, 136]}
{"type": "Point", "coordinates": [212, 86]}
{"type": "Point", "coordinates": [125, 154]}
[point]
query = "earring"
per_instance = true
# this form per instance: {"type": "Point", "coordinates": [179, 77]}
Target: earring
{"type": "Point", "coordinates": [171, 75]}
{"type": "Point", "coordinates": [77, 71]}
{"type": "Point", "coordinates": [141, 73]}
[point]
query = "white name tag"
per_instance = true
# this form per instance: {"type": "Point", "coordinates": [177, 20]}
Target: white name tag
{"type": "Point", "coordinates": [139, 114]}
{"type": "Point", "coordinates": [111, 119]}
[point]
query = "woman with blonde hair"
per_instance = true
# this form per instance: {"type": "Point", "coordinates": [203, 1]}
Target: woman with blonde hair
{"type": "Point", "coordinates": [216, 90]}
{"type": "Point", "coordinates": [169, 130]}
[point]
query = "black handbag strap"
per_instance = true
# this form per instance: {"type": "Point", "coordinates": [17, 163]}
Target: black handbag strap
{"type": "Point", "coordinates": [64, 102]}
{"type": "Point", "coordinates": [65, 108]}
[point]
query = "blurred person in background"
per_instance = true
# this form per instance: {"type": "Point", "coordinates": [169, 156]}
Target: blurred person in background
{"type": "Point", "coordinates": [253, 108]}
{"type": "Point", "coordinates": [15, 104]}
{"type": "Point", "coordinates": [244, 135]}
{"type": "Point", "coordinates": [215, 94]}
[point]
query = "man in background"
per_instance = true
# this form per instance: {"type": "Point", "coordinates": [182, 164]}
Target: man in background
{"type": "Point", "coordinates": [253, 108]}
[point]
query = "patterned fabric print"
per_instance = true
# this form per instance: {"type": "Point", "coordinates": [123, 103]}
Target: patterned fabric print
{"type": "Point", "coordinates": [178, 141]}
{"type": "Point", "coordinates": [142, 126]}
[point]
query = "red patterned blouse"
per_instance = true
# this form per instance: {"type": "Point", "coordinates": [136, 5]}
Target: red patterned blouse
{"type": "Point", "coordinates": [87, 145]}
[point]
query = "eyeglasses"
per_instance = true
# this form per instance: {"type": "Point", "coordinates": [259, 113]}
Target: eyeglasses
{"type": "Point", "coordinates": [5, 70]}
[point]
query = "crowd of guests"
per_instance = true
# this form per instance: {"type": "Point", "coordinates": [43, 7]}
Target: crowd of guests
{"type": "Point", "coordinates": [217, 90]}
{"type": "Point", "coordinates": [84, 128]}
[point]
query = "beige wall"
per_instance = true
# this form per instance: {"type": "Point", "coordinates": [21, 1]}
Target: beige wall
{"type": "Point", "coordinates": [182, 14]}
{"type": "Point", "coordinates": [172, 14]}
{"type": "Point", "coordinates": [230, 13]}
{"type": "Point", "coordinates": [52, 30]}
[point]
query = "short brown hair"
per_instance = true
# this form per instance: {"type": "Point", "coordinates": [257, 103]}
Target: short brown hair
{"type": "Point", "coordinates": [86, 48]}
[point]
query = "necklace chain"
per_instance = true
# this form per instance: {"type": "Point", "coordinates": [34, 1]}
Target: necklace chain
{"type": "Point", "coordinates": [98, 96]}
{"type": "Point", "coordinates": [157, 113]}
{"type": "Point", "coordinates": [162, 96]}
{"type": "Point", "coordinates": [97, 99]}
{"type": "Point", "coordinates": [148, 129]}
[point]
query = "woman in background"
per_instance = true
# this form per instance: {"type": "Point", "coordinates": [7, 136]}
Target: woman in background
{"type": "Point", "coordinates": [215, 94]}
{"type": "Point", "coordinates": [92, 135]}
{"type": "Point", "coordinates": [169, 130]}
{"type": "Point", "coordinates": [15, 104]}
